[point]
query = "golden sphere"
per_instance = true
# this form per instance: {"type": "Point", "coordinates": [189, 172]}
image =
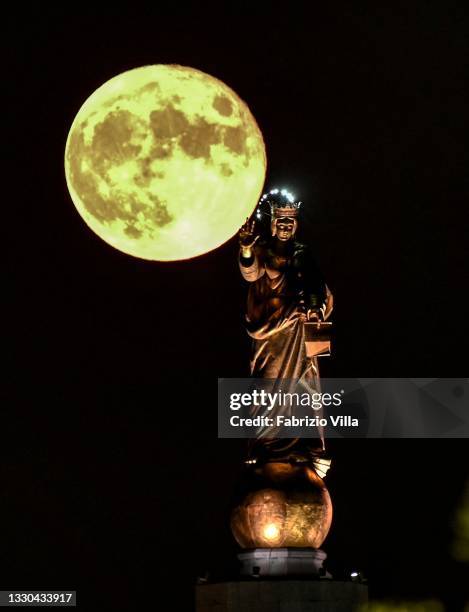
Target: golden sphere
{"type": "Point", "coordinates": [289, 506]}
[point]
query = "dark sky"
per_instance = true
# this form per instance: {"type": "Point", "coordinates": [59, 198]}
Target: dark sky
{"type": "Point", "coordinates": [112, 476]}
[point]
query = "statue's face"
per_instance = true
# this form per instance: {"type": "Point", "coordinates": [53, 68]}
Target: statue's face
{"type": "Point", "coordinates": [284, 229]}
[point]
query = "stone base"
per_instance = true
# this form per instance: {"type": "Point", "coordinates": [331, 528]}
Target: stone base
{"type": "Point", "coordinates": [267, 562]}
{"type": "Point", "coordinates": [281, 596]}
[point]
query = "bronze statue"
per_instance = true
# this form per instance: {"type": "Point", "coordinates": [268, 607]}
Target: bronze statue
{"type": "Point", "coordinates": [286, 291]}
{"type": "Point", "coordinates": [283, 502]}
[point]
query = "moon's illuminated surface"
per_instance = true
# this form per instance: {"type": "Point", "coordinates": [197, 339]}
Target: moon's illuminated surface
{"type": "Point", "coordinates": [165, 162]}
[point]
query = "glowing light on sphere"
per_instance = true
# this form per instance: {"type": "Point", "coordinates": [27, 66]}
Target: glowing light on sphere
{"type": "Point", "coordinates": [165, 162]}
{"type": "Point", "coordinates": [271, 532]}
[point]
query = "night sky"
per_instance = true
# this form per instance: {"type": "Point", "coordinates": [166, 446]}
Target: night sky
{"type": "Point", "coordinates": [112, 478]}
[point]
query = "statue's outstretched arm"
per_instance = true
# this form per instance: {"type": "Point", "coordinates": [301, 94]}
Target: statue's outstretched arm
{"type": "Point", "coordinates": [249, 265]}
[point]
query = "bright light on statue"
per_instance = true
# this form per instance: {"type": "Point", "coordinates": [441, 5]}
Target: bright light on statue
{"type": "Point", "coordinates": [271, 532]}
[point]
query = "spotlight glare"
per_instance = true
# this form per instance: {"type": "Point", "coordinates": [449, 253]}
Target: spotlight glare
{"type": "Point", "coordinates": [271, 531]}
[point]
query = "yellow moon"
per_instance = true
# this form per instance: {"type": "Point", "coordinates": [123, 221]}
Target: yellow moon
{"type": "Point", "coordinates": [165, 162]}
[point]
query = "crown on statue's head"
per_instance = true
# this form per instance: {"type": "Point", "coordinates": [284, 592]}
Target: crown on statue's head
{"type": "Point", "coordinates": [282, 204]}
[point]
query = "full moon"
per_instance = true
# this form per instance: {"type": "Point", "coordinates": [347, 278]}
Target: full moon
{"type": "Point", "coordinates": [165, 162]}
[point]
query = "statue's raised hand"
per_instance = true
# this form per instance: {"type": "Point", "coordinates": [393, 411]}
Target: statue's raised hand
{"type": "Point", "coordinates": [247, 235]}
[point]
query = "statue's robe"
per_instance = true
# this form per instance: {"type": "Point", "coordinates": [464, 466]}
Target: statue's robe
{"type": "Point", "coordinates": [284, 283]}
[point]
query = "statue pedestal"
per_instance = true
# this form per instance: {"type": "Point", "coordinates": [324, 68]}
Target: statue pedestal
{"type": "Point", "coordinates": [266, 562]}
{"type": "Point", "coordinates": [281, 595]}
